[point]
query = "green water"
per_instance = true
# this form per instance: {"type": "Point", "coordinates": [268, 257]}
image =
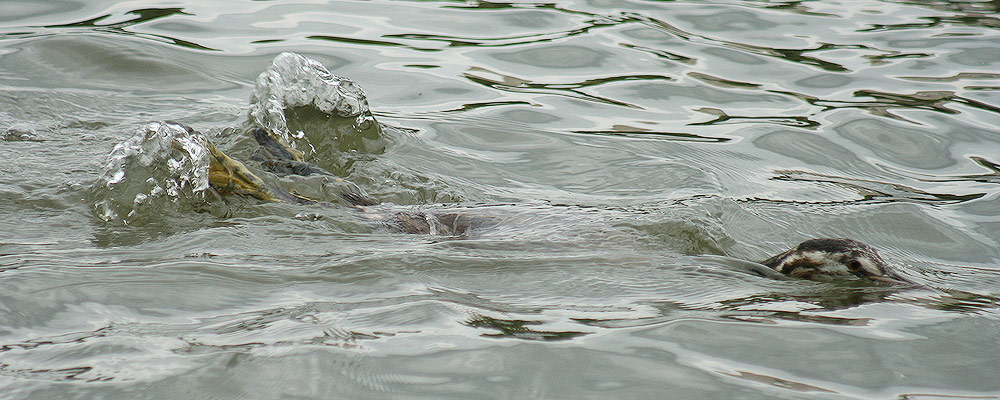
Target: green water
{"type": "Point", "coordinates": [629, 155]}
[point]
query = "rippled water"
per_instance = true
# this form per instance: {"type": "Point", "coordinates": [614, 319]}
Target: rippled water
{"type": "Point", "coordinates": [628, 155]}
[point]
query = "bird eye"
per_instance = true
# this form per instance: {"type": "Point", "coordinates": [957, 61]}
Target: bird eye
{"type": "Point", "coordinates": [854, 266]}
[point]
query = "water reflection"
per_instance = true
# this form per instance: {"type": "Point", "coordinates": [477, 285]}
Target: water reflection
{"type": "Point", "coordinates": [516, 40]}
{"type": "Point", "coordinates": [958, 301]}
{"type": "Point", "coordinates": [497, 5]}
{"type": "Point", "coordinates": [799, 56]}
{"type": "Point", "coordinates": [452, 41]}
{"type": "Point", "coordinates": [884, 102]}
{"type": "Point", "coordinates": [991, 177]}
{"type": "Point", "coordinates": [809, 303]}
{"type": "Point", "coordinates": [645, 133]}
{"type": "Point", "coordinates": [723, 118]}
{"type": "Point", "coordinates": [859, 113]}
{"type": "Point", "coordinates": [141, 16]}
{"type": "Point", "coordinates": [976, 19]}
{"type": "Point", "coordinates": [572, 89]}
{"type": "Point", "coordinates": [364, 42]}
{"type": "Point", "coordinates": [956, 77]}
{"type": "Point", "coordinates": [926, 100]}
{"type": "Point", "coordinates": [518, 329]}
{"type": "Point", "coordinates": [793, 6]}
{"type": "Point", "coordinates": [56, 375]}
{"type": "Point", "coordinates": [877, 192]}
{"type": "Point", "coordinates": [660, 53]}
{"type": "Point", "coordinates": [982, 6]}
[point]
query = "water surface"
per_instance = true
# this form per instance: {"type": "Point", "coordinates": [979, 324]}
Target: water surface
{"type": "Point", "coordinates": [631, 153]}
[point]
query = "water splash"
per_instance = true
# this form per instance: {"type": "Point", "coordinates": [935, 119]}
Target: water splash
{"type": "Point", "coordinates": [164, 163]}
{"type": "Point", "coordinates": [297, 96]}
{"type": "Point", "coordinates": [19, 132]}
{"type": "Point", "coordinates": [165, 166]}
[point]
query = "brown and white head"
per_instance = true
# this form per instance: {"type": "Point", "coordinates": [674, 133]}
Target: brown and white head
{"type": "Point", "coordinates": [833, 259]}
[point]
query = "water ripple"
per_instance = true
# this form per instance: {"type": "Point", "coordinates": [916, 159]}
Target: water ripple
{"type": "Point", "coordinates": [631, 161]}
{"type": "Point", "coordinates": [141, 16]}
{"type": "Point", "coordinates": [874, 191]}
{"type": "Point", "coordinates": [572, 89]}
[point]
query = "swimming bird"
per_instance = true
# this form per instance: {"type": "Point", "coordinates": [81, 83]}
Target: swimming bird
{"type": "Point", "coordinates": [824, 259]}
{"type": "Point", "coordinates": [829, 259]}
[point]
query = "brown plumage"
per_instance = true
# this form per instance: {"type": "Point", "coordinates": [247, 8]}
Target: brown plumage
{"type": "Point", "coordinates": [830, 259]}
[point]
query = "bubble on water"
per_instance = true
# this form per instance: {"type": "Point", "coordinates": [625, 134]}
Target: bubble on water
{"type": "Point", "coordinates": [19, 132]}
{"type": "Point", "coordinates": [164, 163]}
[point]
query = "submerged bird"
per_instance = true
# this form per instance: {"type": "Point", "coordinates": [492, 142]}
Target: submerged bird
{"type": "Point", "coordinates": [823, 259]}
{"type": "Point", "coordinates": [830, 259]}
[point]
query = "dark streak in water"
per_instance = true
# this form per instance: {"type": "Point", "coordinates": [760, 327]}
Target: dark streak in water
{"type": "Point", "coordinates": [722, 118]}
{"type": "Point", "coordinates": [884, 101]}
{"type": "Point", "coordinates": [776, 382]}
{"type": "Point", "coordinates": [797, 7]}
{"type": "Point", "coordinates": [973, 20]}
{"type": "Point", "coordinates": [142, 16]}
{"type": "Point", "coordinates": [63, 374]}
{"type": "Point", "coordinates": [793, 55]}
{"type": "Point", "coordinates": [439, 115]}
{"type": "Point", "coordinates": [474, 106]}
{"type": "Point", "coordinates": [455, 41]}
{"type": "Point", "coordinates": [927, 100]}
{"type": "Point", "coordinates": [975, 7]}
{"type": "Point", "coordinates": [518, 329]}
{"type": "Point", "coordinates": [366, 42]}
{"type": "Point", "coordinates": [976, 14]}
{"type": "Point", "coordinates": [721, 82]}
{"type": "Point", "coordinates": [490, 5]}
{"type": "Point", "coordinates": [873, 190]}
{"type": "Point", "coordinates": [955, 78]}
{"type": "Point", "coordinates": [660, 135]}
{"type": "Point", "coordinates": [834, 296]}
{"type": "Point", "coordinates": [960, 302]}
{"type": "Point", "coordinates": [992, 177]}
{"type": "Point", "coordinates": [662, 53]}
{"type": "Point", "coordinates": [519, 85]}
{"type": "Point", "coordinates": [773, 316]}
{"type": "Point", "coordinates": [63, 339]}
{"type": "Point", "coordinates": [881, 59]}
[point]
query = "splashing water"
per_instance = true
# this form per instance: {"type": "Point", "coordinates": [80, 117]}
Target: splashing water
{"type": "Point", "coordinates": [336, 106]}
{"type": "Point", "coordinates": [163, 163]}
{"type": "Point", "coordinates": [166, 164]}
